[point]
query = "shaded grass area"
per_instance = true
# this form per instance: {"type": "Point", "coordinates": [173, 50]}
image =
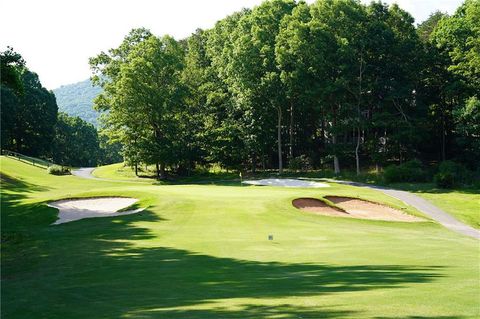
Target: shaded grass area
{"type": "Point", "coordinates": [121, 172]}
{"type": "Point", "coordinates": [201, 251]}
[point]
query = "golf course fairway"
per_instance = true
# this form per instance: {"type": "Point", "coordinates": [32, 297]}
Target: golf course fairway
{"type": "Point", "coordinates": [203, 251]}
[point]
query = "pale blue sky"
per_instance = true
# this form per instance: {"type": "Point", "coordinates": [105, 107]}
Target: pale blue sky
{"type": "Point", "coordinates": [56, 37]}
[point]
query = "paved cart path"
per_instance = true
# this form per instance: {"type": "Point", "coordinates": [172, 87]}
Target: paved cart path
{"type": "Point", "coordinates": [423, 206]}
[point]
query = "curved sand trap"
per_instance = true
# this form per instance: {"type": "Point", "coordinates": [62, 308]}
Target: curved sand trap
{"type": "Point", "coordinates": [75, 209]}
{"type": "Point", "coordinates": [314, 205]}
{"type": "Point", "coordinates": [354, 208]}
{"type": "Point", "coordinates": [286, 182]}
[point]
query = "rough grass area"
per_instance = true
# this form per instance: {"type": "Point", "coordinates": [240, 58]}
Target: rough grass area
{"type": "Point", "coordinates": [464, 203]}
{"type": "Point", "coordinates": [202, 251]}
{"type": "Point", "coordinates": [121, 172]}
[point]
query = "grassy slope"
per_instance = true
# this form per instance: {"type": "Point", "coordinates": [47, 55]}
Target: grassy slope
{"type": "Point", "coordinates": [464, 204]}
{"type": "Point", "coordinates": [118, 172]}
{"type": "Point", "coordinates": [201, 251]}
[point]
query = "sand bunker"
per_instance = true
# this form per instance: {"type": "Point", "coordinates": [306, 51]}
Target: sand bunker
{"type": "Point", "coordinates": [75, 209]}
{"type": "Point", "coordinates": [286, 182]}
{"type": "Point", "coordinates": [314, 205]}
{"type": "Point", "coordinates": [353, 208]}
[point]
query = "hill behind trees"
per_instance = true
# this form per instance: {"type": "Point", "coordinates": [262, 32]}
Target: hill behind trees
{"type": "Point", "coordinates": [77, 100]}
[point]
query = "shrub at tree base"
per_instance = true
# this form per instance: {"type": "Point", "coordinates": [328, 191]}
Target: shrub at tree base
{"type": "Point", "coordinates": [411, 171]}
{"type": "Point", "coordinates": [300, 163]}
{"type": "Point", "coordinates": [58, 170]}
{"type": "Point", "coordinates": [451, 174]}
{"type": "Point", "coordinates": [444, 180]}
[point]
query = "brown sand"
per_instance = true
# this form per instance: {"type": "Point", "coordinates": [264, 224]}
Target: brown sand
{"type": "Point", "coordinates": [354, 208]}
{"type": "Point", "coordinates": [314, 205]}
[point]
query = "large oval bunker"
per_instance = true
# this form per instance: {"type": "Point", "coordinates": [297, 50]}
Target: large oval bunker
{"type": "Point", "coordinates": [75, 209]}
{"type": "Point", "coordinates": [353, 208]}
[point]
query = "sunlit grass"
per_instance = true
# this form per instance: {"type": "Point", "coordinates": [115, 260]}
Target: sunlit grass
{"type": "Point", "coordinates": [202, 251]}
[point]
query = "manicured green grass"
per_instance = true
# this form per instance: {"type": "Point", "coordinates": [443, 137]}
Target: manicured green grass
{"type": "Point", "coordinates": [121, 172]}
{"type": "Point", "coordinates": [464, 203]}
{"type": "Point", "coordinates": [202, 251]}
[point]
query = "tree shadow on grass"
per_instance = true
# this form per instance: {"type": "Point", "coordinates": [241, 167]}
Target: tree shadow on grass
{"type": "Point", "coordinates": [15, 215]}
{"type": "Point", "coordinates": [18, 219]}
{"type": "Point", "coordinates": [283, 311]}
{"type": "Point", "coordinates": [15, 185]}
{"type": "Point", "coordinates": [100, 268]}
{"type": "Point", "coordinates": [422, 317]}
{"type": "Point", "coordinates": [203, 182]}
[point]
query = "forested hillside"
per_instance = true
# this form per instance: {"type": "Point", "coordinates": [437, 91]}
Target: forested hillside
{"type": "Point", "coordinates": [77, 100]}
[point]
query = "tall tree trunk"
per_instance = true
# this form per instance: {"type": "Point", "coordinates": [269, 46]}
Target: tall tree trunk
{"type": "Point", "coordinates": [162, 171]}
{"type": "Point", "coordinates": [357, 157]}
{"type": "Point", "coordinates": [264, 164]}
{"type": "Point", "coordinates": [444, 133]}
{"type": "Point", "coordinates": [279, 140]}
{"type": "Point", "coordinates": [322, 132]}
{"type": "Point", "coordinates": [360, 79]}
{"type": "Point", "coordinates": [136, 169]}
{"type": "Point", "coordinates": [157, 168]}
{"type": "Point", "coordinates": [336, 162]}
{"type": "Point", "coordinates": [290, 131]}
{"type": "Point", "coordinates": [254, 163]}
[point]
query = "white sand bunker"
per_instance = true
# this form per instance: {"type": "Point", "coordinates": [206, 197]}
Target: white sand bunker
{"type": "Point", "coordinates": [353, 208]}
{"type": "Point", "coordinates": [75, 209]}
{"type": "Point", "coordinates": [286, 182]}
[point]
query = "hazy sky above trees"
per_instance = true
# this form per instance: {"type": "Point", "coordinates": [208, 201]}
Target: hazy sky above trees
{"type": "Point", "coordinates": [57, 37]}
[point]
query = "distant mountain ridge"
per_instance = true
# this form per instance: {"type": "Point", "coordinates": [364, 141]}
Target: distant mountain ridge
{"type": "Point", "coordinates": [77, 100]}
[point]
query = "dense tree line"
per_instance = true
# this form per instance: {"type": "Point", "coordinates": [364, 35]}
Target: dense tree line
{"type": "Point", "coordinates": [31, 124]}
{"type": "Point", "coordinates": [28, 110]}
{"type": "Point", "coordinates": [333, 83]}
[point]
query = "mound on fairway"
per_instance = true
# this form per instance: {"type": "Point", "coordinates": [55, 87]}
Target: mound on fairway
{"type": "Point", "coordinates": [285, 182]}
{"type": "Point", "coordinates": [317, 206]}
{"type": "Point", "coordinates": [75, 209]}
{"type": "Point", "coordinates": [353, 208]}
